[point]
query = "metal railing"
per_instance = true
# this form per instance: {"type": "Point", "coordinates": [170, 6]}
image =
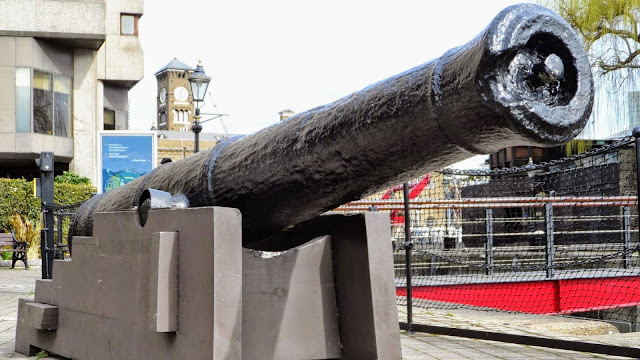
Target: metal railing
{"type": "Point", "coordinates": [549, 233]}
{"type": "Point", "coordinates": [570, 220]}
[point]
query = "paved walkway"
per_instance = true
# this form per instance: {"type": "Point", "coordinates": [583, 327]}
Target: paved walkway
{"type": "Point", "coordinates": [19, 283]}
{"type": "Point", "coordinates": [432, 346]}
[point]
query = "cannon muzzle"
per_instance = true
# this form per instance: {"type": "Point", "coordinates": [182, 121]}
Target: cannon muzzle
{"type": "Point", "coordinates": [525, 80]}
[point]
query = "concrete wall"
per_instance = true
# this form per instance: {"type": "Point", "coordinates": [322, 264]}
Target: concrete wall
{"type": "Point", "coordinates": [121, 57]}
{"type": "Point", "coordinates": [29, 53]}
{"type": "Point", "coordinates": [77, 38]}
{"type": "Point", "coordinates": [117, 7]}
{"type": "Point", "coordinates": [87, 113]}
{"type": "Point", "coordinates": [121, 60]}
{"type": "Point", "coordinates": [77, 22]}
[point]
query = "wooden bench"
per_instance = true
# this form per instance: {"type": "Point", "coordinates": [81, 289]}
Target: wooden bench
{"type": "Point", "coordinates": [18, 248]}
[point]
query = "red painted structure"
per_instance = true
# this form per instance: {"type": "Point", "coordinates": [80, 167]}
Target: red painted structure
{"type": "Point", "coordinates": [538, 297]}
{"type": "Point", "coordinates": [553, 296]}
{"type": "Point", "coordinates": [397, 216]}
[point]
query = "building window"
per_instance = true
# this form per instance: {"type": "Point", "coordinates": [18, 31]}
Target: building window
{"type": "Point", "coordinates": [23, 100]}
{"type": "Point", "coordinates": [163, 119]}
{"type": "Point", "coordinates": [109, 119]}
{"type": "Point", "coordinates": [43, 102]}
{"type": "Point", "coordinates": [62, 105]}
{"type": "Point", "coordinates": [180, 116]}
{"type": "Point", "coordinates": [129, 24]}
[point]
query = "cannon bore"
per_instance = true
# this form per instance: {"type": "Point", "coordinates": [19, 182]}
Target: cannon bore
{"type": "Point", "coordinates": [524, 80]}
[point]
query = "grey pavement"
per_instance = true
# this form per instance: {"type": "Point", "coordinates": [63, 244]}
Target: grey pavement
{"type": "Point", "coordinates": [20, 283]}
{"type": "Point", "coordinates": [552, 327]}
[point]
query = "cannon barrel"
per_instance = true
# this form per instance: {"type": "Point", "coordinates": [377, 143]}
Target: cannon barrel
{"type": "Point", "coordinates": [524, 80]}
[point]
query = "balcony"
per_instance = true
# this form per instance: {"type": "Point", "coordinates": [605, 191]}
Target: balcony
{"type": "Point", "coordinates": [72, 23]}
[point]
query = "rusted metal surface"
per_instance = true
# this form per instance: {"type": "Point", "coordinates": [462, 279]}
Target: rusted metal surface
{"type": "Point", "coordinates": [525, 80]}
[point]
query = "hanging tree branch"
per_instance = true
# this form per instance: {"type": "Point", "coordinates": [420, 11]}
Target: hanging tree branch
{"type": "Point", "coordinates": [606, 23]}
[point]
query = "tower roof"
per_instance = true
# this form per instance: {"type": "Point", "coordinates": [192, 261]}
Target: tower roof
{"type": "Point", "coordinates": [175, 64]}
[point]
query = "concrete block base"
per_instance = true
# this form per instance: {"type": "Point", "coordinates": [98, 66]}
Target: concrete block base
{"type": "Point", "coordinates": [182, 287]}
{"type": "Point", "coordinates": [41, 316]}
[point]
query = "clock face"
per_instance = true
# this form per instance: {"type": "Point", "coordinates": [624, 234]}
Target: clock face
{"type": "Point", "coordinates": [163, 95]}
{"type": "Point", "coordinates": [181, 93]}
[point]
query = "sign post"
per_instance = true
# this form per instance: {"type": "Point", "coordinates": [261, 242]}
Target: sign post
{"type": "Point", "coordinates": [45, 164]}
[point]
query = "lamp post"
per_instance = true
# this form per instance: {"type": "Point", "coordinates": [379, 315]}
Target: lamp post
{"type": "Point", "coordinates": [199, 82]}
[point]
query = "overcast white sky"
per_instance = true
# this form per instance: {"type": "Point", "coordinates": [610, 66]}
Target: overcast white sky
{"type": "Point", "coordinates": [266, 56]}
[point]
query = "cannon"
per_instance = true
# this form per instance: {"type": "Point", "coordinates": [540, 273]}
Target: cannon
{"type": "Point", "coordinates": [197, 278]}
{"type": "Point", "coordinates": [524, 80]}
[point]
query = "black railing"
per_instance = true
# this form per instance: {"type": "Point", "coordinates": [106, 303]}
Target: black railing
{"type": "Point", "coordinates": [553, 238]}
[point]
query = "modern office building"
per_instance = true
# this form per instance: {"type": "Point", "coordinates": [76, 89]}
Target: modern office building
{"type": "Point", "coordinates": [65, 73]}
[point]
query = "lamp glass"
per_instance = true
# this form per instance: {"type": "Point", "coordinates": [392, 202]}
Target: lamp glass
{"type": "Point", "coordinates": [198, 91]}
{"type": "Point", "coordinates": [199, 82]}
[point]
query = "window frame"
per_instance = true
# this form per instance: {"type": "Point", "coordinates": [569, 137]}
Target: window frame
{"type": "Point", "coordinates": [163, 118]}
{"type": "Point", "coordinates": [30, 95]}
{"type": "Point", "coordinates": [136, 17]}
{"type": "Point", "coordinates": [104, 123]}
{"type": "Point", "coordinates": [47, 96]}
{"type": "Point", "coordinates": [68, 84]}
{"type": "Point", "coordinates": [31, 115]}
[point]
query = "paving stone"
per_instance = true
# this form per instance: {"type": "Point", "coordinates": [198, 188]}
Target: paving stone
{"type": "Point", "coordinates": [15, 284]}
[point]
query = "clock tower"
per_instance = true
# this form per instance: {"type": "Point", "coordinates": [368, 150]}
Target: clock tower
{"type": "Point", "coordinates": [174, 102]}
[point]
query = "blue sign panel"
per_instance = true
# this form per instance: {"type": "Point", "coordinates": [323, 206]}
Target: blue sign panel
{"type": "Point", "coordinates": [125, 157]}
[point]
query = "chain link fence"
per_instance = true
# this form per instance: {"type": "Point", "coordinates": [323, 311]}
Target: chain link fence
{"type": "Point", "coordinates": [555, 238]}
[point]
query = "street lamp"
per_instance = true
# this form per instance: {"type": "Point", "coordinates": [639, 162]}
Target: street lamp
{"type": "Point", "coordinates": [199, 82]}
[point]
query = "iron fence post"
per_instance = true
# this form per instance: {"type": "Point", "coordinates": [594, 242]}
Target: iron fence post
{"type": "Point", "coordinates": [549, 250]}
{"type": "Point", "coordinates": [433, 265]}
{"type": "Point", "coordinates": [59, 219]}
{"type": "Point", "coordinates": [626, 211]}
{"type": "Point", "coordinates": [636, 135]}
{"type": "Point", "coordinates": [489, 244]}
{"type": "Point", "coordinates": [408, 244]}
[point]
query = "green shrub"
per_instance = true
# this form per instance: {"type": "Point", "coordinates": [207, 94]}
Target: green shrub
{"type": "Point", "coordinates": [67, 194]}
{"type": "Point", "coordinates": [16, 197]}
{"type": "Point", "coordinates": [72, 178]}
